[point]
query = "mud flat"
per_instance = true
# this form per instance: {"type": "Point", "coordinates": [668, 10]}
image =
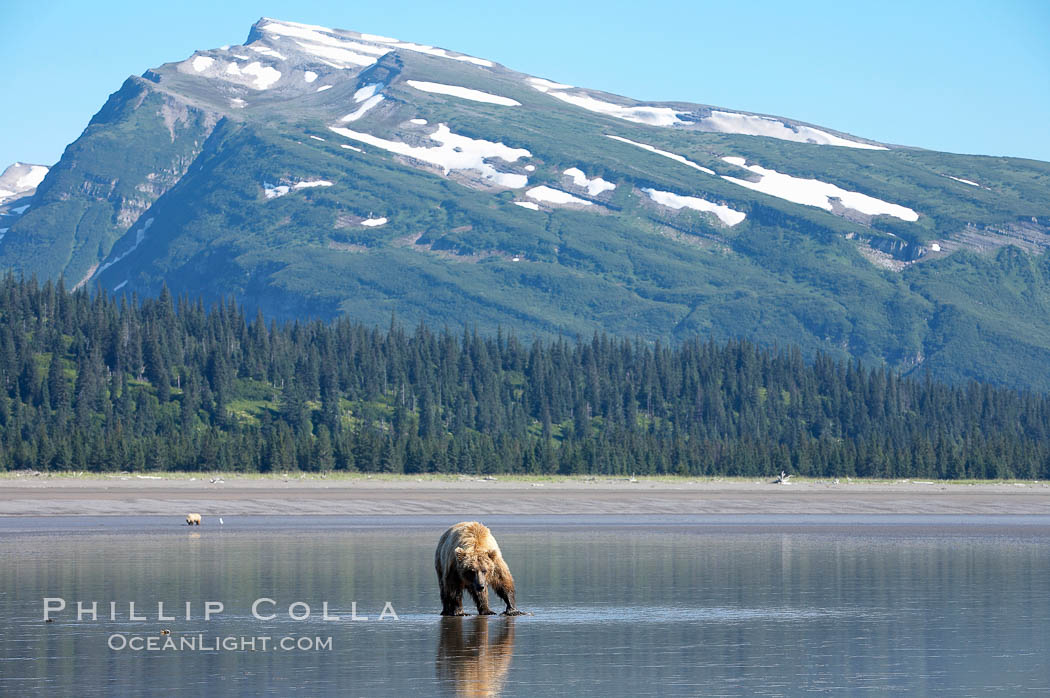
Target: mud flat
{"type": "Point", "coordinates": [125, 495]}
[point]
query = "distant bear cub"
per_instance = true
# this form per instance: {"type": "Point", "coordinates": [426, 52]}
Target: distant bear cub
{"type": "Point", "coordinates": [468, 557]}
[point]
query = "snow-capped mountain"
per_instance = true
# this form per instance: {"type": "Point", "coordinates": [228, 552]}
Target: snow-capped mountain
{"type": "Point", "coordinates": [20, 180]}
{"type": "Point", "coordinates": [280, 55]}
{"type": "Point", "coordinates": [317, 172]}
{"type": "Point", "coordinates": [18, 183]}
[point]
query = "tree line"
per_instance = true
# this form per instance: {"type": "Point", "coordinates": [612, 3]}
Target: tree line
{"type": "Point", "coordinates": [95, 383]}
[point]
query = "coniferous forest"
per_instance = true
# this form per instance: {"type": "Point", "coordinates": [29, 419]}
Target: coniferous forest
{"type": "Point", "coordinates": [93, 383]}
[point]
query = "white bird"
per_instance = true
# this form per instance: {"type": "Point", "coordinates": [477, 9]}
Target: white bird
{"type": "Point", "coordinates": [220, 520]}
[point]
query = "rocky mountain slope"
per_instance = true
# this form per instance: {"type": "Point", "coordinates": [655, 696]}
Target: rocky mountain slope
{"type": "Point", "coordinates": [314, 172]}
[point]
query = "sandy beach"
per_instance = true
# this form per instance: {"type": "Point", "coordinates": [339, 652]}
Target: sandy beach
{"type": "Point", "coordinates": [41, 495]}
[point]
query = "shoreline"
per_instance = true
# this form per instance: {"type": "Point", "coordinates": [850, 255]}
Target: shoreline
{"type": "Point", "coordinates": [169, 494]}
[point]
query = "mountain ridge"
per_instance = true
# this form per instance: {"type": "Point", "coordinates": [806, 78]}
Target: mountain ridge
{"type": "Point", "coordinates": [315, 172]}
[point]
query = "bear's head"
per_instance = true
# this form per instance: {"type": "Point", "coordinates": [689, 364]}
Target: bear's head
{"type": "Point", "coordinates": [476, 567]}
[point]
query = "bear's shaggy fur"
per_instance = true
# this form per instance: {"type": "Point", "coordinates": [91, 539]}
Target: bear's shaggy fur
{"type": "Point", "coordinates": [468, 557]}
{"type": "Point", "coordinates": [193, 519]}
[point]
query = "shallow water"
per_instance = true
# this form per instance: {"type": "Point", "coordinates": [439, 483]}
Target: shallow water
{"type": "Point", "coordinates": [622, 606]}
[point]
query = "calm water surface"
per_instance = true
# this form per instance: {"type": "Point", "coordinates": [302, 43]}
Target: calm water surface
{"type": "Point", "coordinates": [638, 606]}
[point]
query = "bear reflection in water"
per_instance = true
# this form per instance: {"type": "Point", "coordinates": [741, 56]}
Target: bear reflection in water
{"type": "Point", "coordinates": [474, 655]}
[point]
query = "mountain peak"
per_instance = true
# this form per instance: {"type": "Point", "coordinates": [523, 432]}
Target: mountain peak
{"type": "Point", "coordinates": [275, 41]}
{"type": "Point", "coordinates": [319, 40]}
{"type": "Point", "coordinates": [321, 172]}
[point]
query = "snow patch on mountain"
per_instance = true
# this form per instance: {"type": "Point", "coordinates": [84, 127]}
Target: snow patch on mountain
{"type": "Point", "coordinates": [320, 42]}
{"type": "Point", "coordinates": [140, 235]}
{"type": "Point", "coordinates": [309, 76]}
{"type": "Point", "coordinates": [267, 51]}
{"type": "Point", "coordinates": [322, 88]}
{"type": "Point", "coordinates": [532, 206]}
{"type": "Point", "coordinates": [321, 37]}
{"type": "Point", "coordinates": [555, 196]}
{"type": "Point", "coordinates": [418, 122]}
{"type": "Point", "coordinates": [964, 181]}
{"type": "Point", "coordinates": [673, 156]}
{"type": "Point", "coordinates": [310, 32]}
{"type": "Point", "coordinates": [594, 186]}
{"type": "Point", "coordinates": [750, 125]}
{"type": "Point", "coordinates": [363, 109]}
{"type": "Point", "coordinates": [263, 77]}
{"type": "Point", "coordinates": [317, 38]}
{"type": "Point", "coordinates": [454, 153]}
{"type": "Point", "coordinates": [379, 38]}
{"type": "Point", "coordinates": [367, 91]}
{"type": "Point", "coordinates": [718, 121]}
{"type": "Point", "coordinates": [429, 50]}
{"type": "Point", "coordinates": [373, 222]}
{"type": "Point", "coordinates": [303, 25]}
{"type": "Point", "coordinates": [272, 191]}
{"type": "Point", "coordinates": [462, 93]}
{"type": "Point", "coordinates": [32, 179]}
{"type": "Point", "coordinates": [546, 85]}
{"type": "Point", "coordinates": [725, 214]}
{"type": "Point", "coordinates": [813, 192]}
{"type": "Point", "coordinates": [652, 116]}
{"type": "Point", "coordinates": [254, 75]}
{"type": "Point", "coordinates": [337, 57]}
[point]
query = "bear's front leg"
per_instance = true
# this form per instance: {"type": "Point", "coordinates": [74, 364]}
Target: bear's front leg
{"type": "Point", "coordinates": [452, 603]}
{"type": "Point", "coordinates": [508, 598]}
{"type": "Point", "coordinates": [481, 600]}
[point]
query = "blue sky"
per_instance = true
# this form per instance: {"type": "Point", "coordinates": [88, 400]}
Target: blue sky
{"type": "Point", "coordinates": [969, 77]}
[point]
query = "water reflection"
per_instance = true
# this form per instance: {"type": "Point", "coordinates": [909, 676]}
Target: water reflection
{"type": "Point", "coordinates": [951, 609]}
{"type": "Point", "coordinates": [474, 655]}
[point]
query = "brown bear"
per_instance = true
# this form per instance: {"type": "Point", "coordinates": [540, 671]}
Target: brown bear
{"type": "Point", "coordinates": [193, 519]}
{"type": "Point", "coordinates": [468, 557]}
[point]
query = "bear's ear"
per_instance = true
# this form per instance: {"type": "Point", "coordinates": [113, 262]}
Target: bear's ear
{"type": "Point", "coordinates": [460, 554]}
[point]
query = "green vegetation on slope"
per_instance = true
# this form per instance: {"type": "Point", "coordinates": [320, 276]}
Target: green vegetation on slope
{"type": "Point", "coordinates": [789, 276]}
{"type": "Point", "coordinates": [134, 149]}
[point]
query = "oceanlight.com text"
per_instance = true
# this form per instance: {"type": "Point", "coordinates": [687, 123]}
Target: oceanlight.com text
{"type": "Point", "coordinates": [218, 643]}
